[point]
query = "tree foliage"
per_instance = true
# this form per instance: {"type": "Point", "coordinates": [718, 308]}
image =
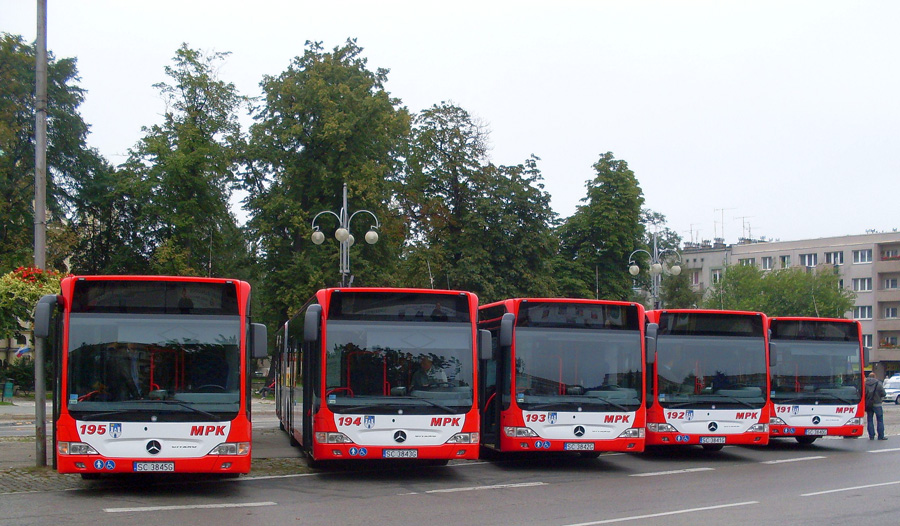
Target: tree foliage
{"type": "Point", "coordinates": [20, 290]}
{"type": "Point", "coordinates": [596, 241]}
{"type": "Point", "coordinates": [784, 292]}
{"type": "Point", "coordinates": [325, 121]}
{"type": "Point", "coordinates": [68, 158]}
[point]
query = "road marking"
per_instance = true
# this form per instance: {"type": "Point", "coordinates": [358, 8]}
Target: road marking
{"type": "Point", "coordinates": [189, 507]}
{"type": "Point", "coordinates": [798, 459]}
{"type": "Point", "coordinates": [891, 450]}
{"type": "Point", "coordinates": [665, 514]}
{"type": "Point", "coordinates": [673, 472]}
{"type": "Point", "coordinates": [478, 488]}
{"type": "Point", "coordinates": [850, 489]}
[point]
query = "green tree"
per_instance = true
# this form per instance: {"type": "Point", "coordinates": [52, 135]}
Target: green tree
{"type": "Point", "coordinates": [596, 240]}
{"type": "Point", "coordinates": [184, 171]}
{"type": "Point", "coordinates": [785, 292]}
{"type": "Point", "coordinates": [676, 292]}
{"type": "Point", "coordinates": [68, 158]}
{"type": "Point", "coordinates": [325, 121]}
{"type": "Point", "coordinates": [20, 290]}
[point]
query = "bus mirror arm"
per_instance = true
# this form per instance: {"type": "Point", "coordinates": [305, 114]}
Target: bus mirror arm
{"type": "Point", "coordinates": [260, 340]}
{"type": "Point", "coordinates": [311, 323]}
{"type": "Point", "coordinates": [484, 345]}
{"type": "Point", "coordinates": [42, 312]}
{"type": "Point", "coordinates": [650, 341]}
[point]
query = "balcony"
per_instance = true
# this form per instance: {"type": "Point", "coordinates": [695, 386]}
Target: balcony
{"type": "Point", "coordinates": [888, 295]}
{"type": "Point", "coordinates": [887, 265]}
{"type": "Point", "coordinates": [885, 355]}
{"type": "Point", "coordinates": [887, 324]}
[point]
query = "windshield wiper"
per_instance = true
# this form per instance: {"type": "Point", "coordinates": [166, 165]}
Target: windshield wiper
{"type": "Point", "coordinates": [736, 400]}
{"type": "Point", "coordinates": [90, 417]}
{"type": "Point", "coordinates": [179, 403]}
{"type": "Point", "coordinates": [394, 405]}
{"type": "Point", "coordinates": [813, 397]}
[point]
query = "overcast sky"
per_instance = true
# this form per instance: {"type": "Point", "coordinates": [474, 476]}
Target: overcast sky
{"type": "Point", "coordinates": [756, 118]}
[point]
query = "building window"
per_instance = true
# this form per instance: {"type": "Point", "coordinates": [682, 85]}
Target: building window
{"type": "Point", "coordinates": [747, 262]}
{"type": "Point", "coordinates": [890, 312]}
{"type": "Point", "coordinates": [867, 341]}
{"type": "Point", "coordinates": [863, 312]}
{"type": "Point", "coordinates": [890, 254]}
{"type": "Point", "coordinates": [890, 283]}
{"type": "Point", "coordinates": [840, 283]}
{"type": "Point", "coordinates": [695, 277]}
{"type": "Point", "coordinates": [889, 342]}
{"type": "Point", "coordinates": [809, 260]}
{"type": "Point", "coordinates": [834, 258]}
{"type": "Point", "coordinates": [785, 261]}
{"type": "Point", "coordinates": [716, 275]}
{"type": "Point", "coordinates": [767, 263]}
{"type": "Point", "coordinates": [862, 256]}
{"type": "Point", "coordinates": [862, 284]}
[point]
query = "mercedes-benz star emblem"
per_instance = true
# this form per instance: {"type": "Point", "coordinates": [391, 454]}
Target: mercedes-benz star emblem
{"type": "Point", "coordinates": [712, 427]}
{"type": "Point", "coordinates": [400, 436]}
{"type": "Point", "coordinates": [816, 420]}
{"type": "Point", "coordinates": [579, 431]}
{"type": "Point", "coordinates": [154, 447]}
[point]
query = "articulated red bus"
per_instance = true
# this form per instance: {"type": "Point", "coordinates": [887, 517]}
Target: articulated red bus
{"type": "Point", "coordinates": [709, 384]}
{"type": "Point", "coordinates": [152, 374]}
{"type": "Point", "coordinates": [378, 373]}
{"type": "Point", "coordinates": [565, 375]}
{"type": "Point", "coordinates": [816, 373]}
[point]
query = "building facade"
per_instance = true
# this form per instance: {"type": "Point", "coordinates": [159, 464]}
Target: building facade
{"type": "Point", "coordinates": [868, 264]}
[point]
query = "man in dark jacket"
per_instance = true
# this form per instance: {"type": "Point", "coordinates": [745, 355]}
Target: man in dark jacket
{"type": "Point", "coordinates": [874, 395]}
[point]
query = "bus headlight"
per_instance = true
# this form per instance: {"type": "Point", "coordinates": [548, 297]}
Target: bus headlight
{"type": "Point", "coordinates": [759, 428]}
{"type": "Point", "coordinates": [332, 438]}
{"type": "Point", "coordinates": [75, 448]}
{"type": "Point", "coordinates": [856, 421]}
{"type": "Point", "coordinates": [775, 421]}
{"type": "Point", "coordinates": [231, 448]}
{"type": "Point", "coordinates": [634, 432]}
{"type": "Point", "coordinates": [514, 432]}
{"type": "Point", "coordinates": [661, 428]}
{"type": "Point", "coordinates": [464, 438]}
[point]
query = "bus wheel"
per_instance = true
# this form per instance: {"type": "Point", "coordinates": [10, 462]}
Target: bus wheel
{"type": "Point", "coordinates": [312, 463]}
{"type": "Point", "coordinates": [281, 425]}
{"type": "Point", "coordinates": [805, 440]}
{"type": "Point", "coordinates": [713, 447]}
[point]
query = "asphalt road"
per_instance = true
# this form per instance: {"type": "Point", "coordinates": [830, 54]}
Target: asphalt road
{"type": "Point", "coordinates": [834, 481]}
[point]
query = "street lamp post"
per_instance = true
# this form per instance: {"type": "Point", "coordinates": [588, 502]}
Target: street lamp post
{"type": "Point", "coordinates": [657, 267]}
{"type": "Point", "coordinates": [344, 237]}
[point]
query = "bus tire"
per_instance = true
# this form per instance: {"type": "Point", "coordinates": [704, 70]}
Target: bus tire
{"type": "Point", "coordinates": [805, 440]}
{"type": "Point", "coordinates": [293, 440]}
{"type": "Point", "coordinates": [312, 463]}
{"type": "Point", "coordinates": [713, 447]}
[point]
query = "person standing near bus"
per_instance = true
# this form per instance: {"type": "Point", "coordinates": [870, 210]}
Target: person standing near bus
{"type": "Point", "coordinates": [874, 396]}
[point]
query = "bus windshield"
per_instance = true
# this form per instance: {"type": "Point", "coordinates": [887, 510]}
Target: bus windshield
{"type": "Point", "coordinates": [577, 369]}
{"type": "Point", "coordinates": [409, 367]}
{"type": "Point", "coordinates": [823, 372]}
{"type": "Point", "coordinates": [711, 371]}
{"type": "Point", "coordinates": [169, 367]}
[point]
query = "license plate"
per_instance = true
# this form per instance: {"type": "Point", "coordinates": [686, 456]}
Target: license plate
{"type": "Point", "coordinates": [817, 432]}
{"type": "Point", "coordinates": [154, 466]}
{"type": "Point", "coordinates": [579, 446]}
{"type": "Point", "coordinates": [400, 453]}
{"type": "Point", "coordinates": [712, 440]}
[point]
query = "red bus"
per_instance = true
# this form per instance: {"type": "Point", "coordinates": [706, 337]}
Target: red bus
{"type": "Point", "coordinates": [565, 375]}
{"type": "Point", "coordinates": [710, 383]}
{"type": "Point", "coordinates": [379, 373]}
{"type": "Point", "coordinates": [152, 374]}
{"type": "Point", "coordinates": [816, 373]}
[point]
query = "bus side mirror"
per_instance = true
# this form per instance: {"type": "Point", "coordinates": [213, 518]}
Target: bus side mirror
{"type": "Point", "coordinates": [772, 360]}
{"type": "Point", "coordinates": [506, 329]}
{"type": "Point", "coordinates": [865, 356]}
{"type": "Point", "coordinates": [311, 323]}
{"type": "Point", "coordinates": [42, 314]}
{"type": "Point", "coordinates": [259, 340]}
{"type": "Point", "coordinates": [650, 333]}
{"type": "Point", "coordinates": [484, 344]}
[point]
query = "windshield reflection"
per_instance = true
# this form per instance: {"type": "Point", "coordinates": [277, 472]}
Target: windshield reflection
{"type": "Point", "coordinates": [126, 365]}
{"type": "Point", "coordinates": [388, 367]}
{"type": "Point", "coordinates": [816, 371]}
{"type": "Point", "coordinates": [697, 371]}
{"type": "Point", "coordinates": [567, 369]}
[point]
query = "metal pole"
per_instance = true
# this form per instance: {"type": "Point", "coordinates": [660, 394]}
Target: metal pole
{"type": "Point", "coordinates": [345, 245]}
{"type": "Point", "coordinates": [40, 223]}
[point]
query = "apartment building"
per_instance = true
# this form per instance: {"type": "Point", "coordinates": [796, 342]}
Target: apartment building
{"type": "Point", "coordinates": [868, 264]}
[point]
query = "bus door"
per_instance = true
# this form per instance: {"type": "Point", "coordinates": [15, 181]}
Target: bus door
{"type": "Point", "coordinates": [310, 368]}
{"type": "Point", "coordinates": [496, 382]}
